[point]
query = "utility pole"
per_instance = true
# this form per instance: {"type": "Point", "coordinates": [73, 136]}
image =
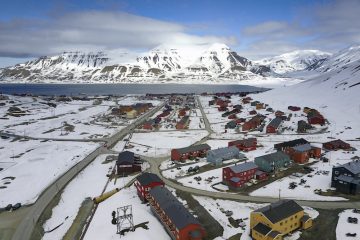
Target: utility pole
{"type": "Point", "coordinates": [279, 193]}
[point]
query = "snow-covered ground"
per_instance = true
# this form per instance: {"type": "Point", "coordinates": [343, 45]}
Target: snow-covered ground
{"type": "Point", "coordinates": [130, 100]}
{"type": "Point", "coordinates": [240, 210]}
{"type": "Point", "coordinates": [216, 174]}
{"type": "Point", "coordinates": [343, 227]}
{"type": "Point", "coordinates": [161, 143]}
{"type": "Point", "coordinates": [181, 171]}
{"type": "Point", "coordinates": [88, 183]}
{"type": "Point", "coordinates": [70, 120]}
{"type": "Point", "coordinates": [37, 164]}
{"type": "Point", "coordinates": [101, 227]}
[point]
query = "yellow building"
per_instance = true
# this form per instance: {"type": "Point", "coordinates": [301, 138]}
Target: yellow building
{"type": "Point", "coordinates": [259, 106]}
{"type": "Point", "coordinates": [131, 114]}
{"type": "Point", "coordinates": [278, 219]}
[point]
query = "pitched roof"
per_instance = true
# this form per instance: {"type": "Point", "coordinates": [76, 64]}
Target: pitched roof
{"type": "Point", "coordinates": [303, 148]}
{"type": "Point", "coordinates": [305, 218]}
{"type": "Point", "coordinates": [178, 214]}
{"type": "Point", "coordinates": [348, 179]}
{"type": "Point", "coordinates": [193, 148]}
{"type": "Point", "coordinates": [243, 167]}
{"type": "Point", "coordinates": [125, 157]}
{"type": "Point", "coordinates": [275, 122]}
{"type": "Point", "coordinates": [274, 234]}
{"type": "Point", "coordinates": [223, 151]}
{"type": "Point", "coordinates": [292, 143]}
{"type": "Point", "coordinates": [262, 228]}
{"type": "Point", "coordinates": [147, 178]}
{"type": "Point", "coordinates": [280, 210]}
{"type": "Point", "coordinates": [353, 167]}
{"type": "Point", "coordinates": [245, 142]}
{"type": "Point", "coordinates": [273, 157]}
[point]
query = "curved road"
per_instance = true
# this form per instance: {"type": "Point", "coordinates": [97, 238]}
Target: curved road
{"type": "Point", "coordinates": [25, 228]}
{"type": "Point", "coordinates": [154, 168]}
{"type": "Point", "coordinates": [155, 164]}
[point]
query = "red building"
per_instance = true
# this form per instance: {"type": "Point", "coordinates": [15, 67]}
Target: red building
{"type": "Point", "coordinates": [232, 116]}
{"type": "Point", "coordinates": [148, 125]}
{"type": "Point", "coordinates": [302, 153]}
{"type": "Point", "coordinates": [127, 163]}
{"type": "Point", "coordinates": [319, 119]}
{"type": "Point", "coordinates": [145, 182]}
{"type": "Point", "coordinates": [253, 123]}
{"type": "Point", "coordinates": [279, 113]}
{"type": "Point", "coordinates": [244, 145]}
{"type": "Point", "coordinates": [183, 123]}
{"type": "Point", "coordinates": [294, 108]}
{"type": "Point", "coordinates": [273, 126]}
{"type": "Point", "coordinates": [336, 145]}
{"type": "Point", "coordinates": [236, 176]}
{"type": "Point", "coordinates": [181, 154]}
{"type": "Point", "coordinates": [314, 117]}
{"type": "Point", "coordinates": [252, 112]}
{"type": "Point", "coordinates": [176, 219]}
{"type": "Point", "coordinates": [222, 109]}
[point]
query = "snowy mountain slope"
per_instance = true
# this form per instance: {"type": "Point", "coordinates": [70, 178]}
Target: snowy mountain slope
{"type": "Point", "coordinates": [164, 59]}
{"type": "Point", "coordinates": [334, 93]}
{"type": "Point", "coordinates": [217, 63]}
{"type": "Point", "coordinates": [338, 60]}
{"type": "Point", "coordinates": [294, 61]}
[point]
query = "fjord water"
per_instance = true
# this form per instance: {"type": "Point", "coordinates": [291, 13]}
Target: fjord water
{"type": "Point", "coordinates": [120, 89]}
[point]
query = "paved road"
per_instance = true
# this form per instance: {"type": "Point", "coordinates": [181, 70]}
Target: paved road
{"type": "Point", "coordinates": [206, 120]}
{"type": "Point", "coordinates": [155, 164]}
{"type": "Point", "coordinates": [29, 220]}
{"type": "Point", "coordinates": [154, 168]}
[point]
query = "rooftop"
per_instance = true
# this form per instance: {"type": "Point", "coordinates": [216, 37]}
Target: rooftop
{"type": "Point", "coordinates": [353, 167]}
{"type": "Point", "coordinates": [273, 157]}
{"type": "Point", "coordinates": [243, 167]}
{"type": "Point", "coordinates": [147, 178]}
{"type": "Point", "coordinates": [194, 148]}
{"type": "Point", "coordinates": [178, 214]}
{"type": "Point", "coordinates": [280, 210]}
{"type": "Point", "coordinates": [262, 228]}
{"type": "Point", "coordinates": [125, 157]}
{"type": "Point", "coordinates": [303, 148]}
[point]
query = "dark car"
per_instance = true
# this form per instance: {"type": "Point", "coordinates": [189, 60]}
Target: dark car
{"type": "Point", "coordinates": [16, 206]}
{"type": "Point", "coordinates": [351, 234]}
{"type": "Point", "coordinates": [8, 207]}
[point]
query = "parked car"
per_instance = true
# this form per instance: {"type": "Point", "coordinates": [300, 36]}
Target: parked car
{"type": "Point", "coordinates": [8, 207]}
{"type": "Point", "coordinates": [351, 234]}
{"type": "Point", "coordinates": [355, 210]}
{"type": "Point", "coordinates": [352, 220]}
{"type": "Point", "coordinates": [16, 206]}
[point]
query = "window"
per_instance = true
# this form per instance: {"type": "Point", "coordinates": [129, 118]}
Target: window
{"type": "Point", "coordinates": [281, 223]}
{"type": "Point", "coordinates": [295, 216]}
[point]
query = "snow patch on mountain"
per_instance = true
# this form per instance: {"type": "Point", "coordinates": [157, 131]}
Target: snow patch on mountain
{"type": "Point", "coordinates": [294, 61]}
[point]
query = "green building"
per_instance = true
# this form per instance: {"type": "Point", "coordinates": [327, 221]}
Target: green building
{"type": "Point", "coordinates": [273, 161]}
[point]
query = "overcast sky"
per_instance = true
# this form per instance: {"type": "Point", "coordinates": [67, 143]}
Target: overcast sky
{"type": "Point", "coordinates": [255, 29]}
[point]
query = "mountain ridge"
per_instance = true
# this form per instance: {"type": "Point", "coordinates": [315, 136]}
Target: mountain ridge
{"type": "Point", "coordinates": [217, 63]}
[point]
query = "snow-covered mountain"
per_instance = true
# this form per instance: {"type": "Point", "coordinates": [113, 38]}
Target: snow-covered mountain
{"type": "Point", "coordinates": [338, 60]}
{"type": "Point", "coordinates": [165, 64]}
{"type": "Point", "coordinates": [334, 93]}
{"type": "Point", "coordinates": [295, 61]}
{"type": "Point", "coordinates": [218, 63]}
